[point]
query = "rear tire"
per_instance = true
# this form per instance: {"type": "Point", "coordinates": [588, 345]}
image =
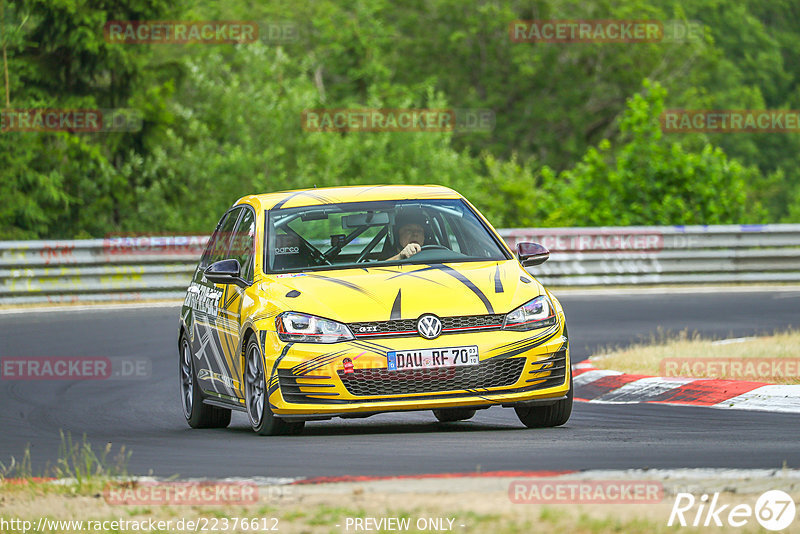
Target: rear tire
{"type": "Point", "coordinates": [450, 415]}
{"type": "Point", "coordinates": [256, 394]}
{"type": "Point", "coordinates": [197, 413]}
{"type": "Point", "coordinates": [547, 416]}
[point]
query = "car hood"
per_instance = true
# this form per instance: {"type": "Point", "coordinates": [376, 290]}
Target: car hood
{"type": "Point", "coordinates": [405, 291]}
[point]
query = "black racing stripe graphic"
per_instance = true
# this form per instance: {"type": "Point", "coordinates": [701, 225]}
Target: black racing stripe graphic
{"type": "Point", "coordinates": [318, 363]}
{"type": "Point", "coordinates": [323, 356]}
{"type": "Point", "coordinates": [206, 344]}
{"type": "Point", "coordinates": [273, 376]}
{"type": "Point", "coordinates": [414, 274]}
{"type": "Point", "coordinates": [231, 340]}
{"type": "Point", "coordinates": [377, 349]}
{"type": "Point", "coordinates": [458, 276]}
{"type": "Point", "coordinates": [411, 273]}
{"type": "Point", "coordinates": [233, 297]}
{"type": "Point", "coordinates": [315, 359]}
{"type": "Point", "coordinates": [396, 307]}
{"type": "Point", "coordinates": [269, 315]}
{"type": "Point", "coordinates": [280, 204]}
{"type": "Point", "coordinates": [315, 196]}
{"type": "Point", "coordinates": [467, 282]}
{"type": "Point", "coordinates": [547, 333]}
{"type": "Point", "coordinates": [345, 283]}
{"type": "Point", "coordinates": [302, 371]}
{"type": "Point", "coordinates": [218, 338]}
{"type": "Point", "coordinates": [371, 344]}
{"type": "Point", "coordinates": [369, 189]}
{"type": "Point", "coordinates": [523, 348]}
{"type": "Point", "coordinates": [498, 282]}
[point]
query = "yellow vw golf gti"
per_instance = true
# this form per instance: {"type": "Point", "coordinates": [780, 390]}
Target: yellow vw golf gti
{"type": "Point", "coordinates": [353, 301]}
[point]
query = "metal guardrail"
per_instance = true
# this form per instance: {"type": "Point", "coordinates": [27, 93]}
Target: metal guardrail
{"type": "Point", "coordinates": [143, 267]}
{"type": "Point", "coordinates": [637, 255]}
{"type": "Point", "coordinates": [118, 268]}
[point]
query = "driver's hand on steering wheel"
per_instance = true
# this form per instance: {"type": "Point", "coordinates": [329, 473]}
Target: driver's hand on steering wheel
{"type": "Point", "coordinates": [409, 250]}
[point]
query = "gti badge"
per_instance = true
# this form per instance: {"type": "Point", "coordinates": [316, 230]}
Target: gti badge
{"type": "Point", "coordinates": [429, 326]}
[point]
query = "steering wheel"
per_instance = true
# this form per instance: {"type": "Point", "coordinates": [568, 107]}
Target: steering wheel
{"type": "Point", "coordinates": [433, 247]}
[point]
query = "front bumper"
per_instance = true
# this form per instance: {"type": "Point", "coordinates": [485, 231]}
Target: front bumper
{"type": "Point", "coordinates": [307, 381]}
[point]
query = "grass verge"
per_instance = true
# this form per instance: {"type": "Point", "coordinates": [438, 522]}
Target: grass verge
{"type": "Point", "coordinates": [467, 513]}
{"type": "Point", "coordinates": [80, 470]}
{"type": "Point", "coordinates": [698, 357]}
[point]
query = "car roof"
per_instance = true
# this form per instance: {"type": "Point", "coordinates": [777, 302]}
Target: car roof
{"type": "Point", "coordinates": [357, 193]}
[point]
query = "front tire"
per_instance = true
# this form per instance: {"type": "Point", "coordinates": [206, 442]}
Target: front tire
{"type": "Point", "coordinates": [256, 394]}
{"type": "Point", "coordinates": [547, 416]}
{"type": "Point", "coordinates": [450, 415]}
{"type": "Point", "coordinates": [197, 414]}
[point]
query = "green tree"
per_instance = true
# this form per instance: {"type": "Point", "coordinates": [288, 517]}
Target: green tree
{"type": "Point", "coordinates": [223, 146]}
{"type": "Point", "coordinates": [648, 180]}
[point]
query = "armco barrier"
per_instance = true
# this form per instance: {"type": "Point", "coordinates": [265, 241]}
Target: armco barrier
{"type": "Point", "coordinates": [137, 268]}
{"type": "Point", "coordinates": [665, 254]}
{"type": "Point", "coordinates": [118, 268]}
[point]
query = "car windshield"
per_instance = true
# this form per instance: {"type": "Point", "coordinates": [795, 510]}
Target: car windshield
{"type": "Point", "coordinates": [371, 233]}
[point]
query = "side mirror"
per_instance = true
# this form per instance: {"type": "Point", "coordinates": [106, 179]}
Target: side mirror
{"type": "Point", "coordinates": [531, 254]}
{"type": "Point", "coordinates": [226, 272]}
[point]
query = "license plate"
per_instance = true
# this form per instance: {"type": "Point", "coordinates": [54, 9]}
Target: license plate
{"type": "Point", "coordinates": [401, 360]}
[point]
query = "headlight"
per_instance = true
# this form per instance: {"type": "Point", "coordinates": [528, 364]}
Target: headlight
{"type": "Point", "coordinates": [293, 326]}
{"type": "Point", "coordinates": [536, 313]}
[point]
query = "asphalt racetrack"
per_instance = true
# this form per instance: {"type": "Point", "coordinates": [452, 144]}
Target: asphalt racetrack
{"type": "Point", "coordinates": [145, 416]}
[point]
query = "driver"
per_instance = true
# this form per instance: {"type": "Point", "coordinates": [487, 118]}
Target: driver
{"type": "Point", "coordinates": [410, 234]}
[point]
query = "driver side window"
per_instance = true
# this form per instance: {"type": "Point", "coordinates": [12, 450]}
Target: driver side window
{"type": "Point", "coordinates": [220, 240]}
{"type": "Point", "coordinates": [243, 244]}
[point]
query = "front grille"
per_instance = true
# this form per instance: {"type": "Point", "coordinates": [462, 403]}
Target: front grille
{"type": "Point", "coordinates": [408, 327]}
{"type": "Point", "coordinates": [488, 374]}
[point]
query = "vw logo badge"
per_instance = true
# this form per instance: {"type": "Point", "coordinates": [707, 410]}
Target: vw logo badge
{"type": "Point", "coordinates": [429, 326]}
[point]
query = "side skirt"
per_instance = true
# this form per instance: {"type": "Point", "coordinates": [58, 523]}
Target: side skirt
{"type": "Point", "coordinates": [220, 403]}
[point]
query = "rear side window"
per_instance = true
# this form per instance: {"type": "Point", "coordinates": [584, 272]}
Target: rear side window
{"type": "Point", "coordinates": [244, 242]}
{"type": "Point", "coordinates": [219, 243]}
